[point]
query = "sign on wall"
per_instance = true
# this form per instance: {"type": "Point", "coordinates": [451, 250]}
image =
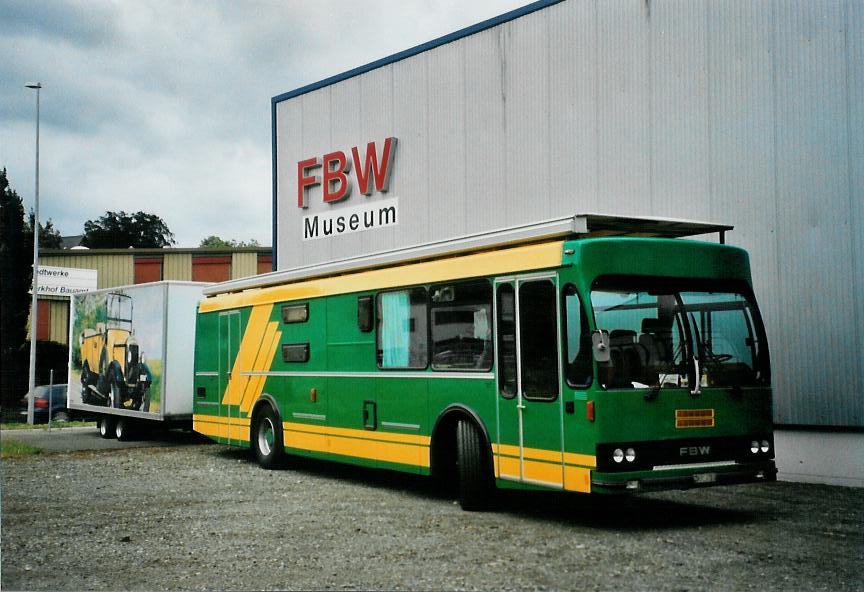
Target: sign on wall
{"type": "Point", "coordinates": [340, 171]}
{"type": "Point", "coordinates": [65, 281]}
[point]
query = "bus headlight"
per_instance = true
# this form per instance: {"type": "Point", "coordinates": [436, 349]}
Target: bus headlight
{"type": "Point", "coordinates": [765, 446]}
{"type": "Point", "coordinates": [630, 455]}
{"type": "Point", "coordinates": [754, 446]}
{"type": "Point", "coordinates": [618, 455]}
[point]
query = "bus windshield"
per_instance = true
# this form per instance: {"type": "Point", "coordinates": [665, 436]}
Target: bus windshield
{"type": "Point", "coordinates": [660, 333]}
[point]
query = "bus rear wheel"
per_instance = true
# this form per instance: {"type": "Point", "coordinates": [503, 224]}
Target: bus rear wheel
{"type": "Point", "coordinates": [475, 484]}
{"type": "Point", "coordinates": [267, 439]}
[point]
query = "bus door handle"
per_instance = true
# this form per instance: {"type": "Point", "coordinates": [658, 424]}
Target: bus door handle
{"type": "Point", "coordinates": [520, 406]}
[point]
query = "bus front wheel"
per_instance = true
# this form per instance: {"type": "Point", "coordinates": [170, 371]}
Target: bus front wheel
{"type": "Point", "coordinates": [267, 439]}
{"type": "Point", "coordinates": [475, 486]}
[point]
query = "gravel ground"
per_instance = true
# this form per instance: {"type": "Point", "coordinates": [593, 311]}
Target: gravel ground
{"type": "Point", "coordinates": [206, 517]}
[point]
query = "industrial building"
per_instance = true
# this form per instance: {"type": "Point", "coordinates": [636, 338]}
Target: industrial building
{"type": "Point", "coordinates": [738, 112]}
{"type": "Point", "coordinates": [125, 267]}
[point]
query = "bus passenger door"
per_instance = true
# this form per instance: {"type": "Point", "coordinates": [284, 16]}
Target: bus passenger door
{"type": "Point", "coordinates": [229, 344]}
{"type": "Point", "coordinates": [530, 408]}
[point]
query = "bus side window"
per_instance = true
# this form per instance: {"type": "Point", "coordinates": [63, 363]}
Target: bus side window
{"type": "Point", "coordinates": [506, 323]}
{"type": "Point", "coordinates": [402, 335]}
{"type": "Point", "coordinates": [577, 338]}
{"type": "Point", "coordinates": [461, 326]}
{"type": "Point", "coordinates": [364, 313]}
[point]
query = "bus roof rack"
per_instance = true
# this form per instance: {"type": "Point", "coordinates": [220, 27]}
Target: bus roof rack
{"type": "Point", "coordinates": [572, 227]}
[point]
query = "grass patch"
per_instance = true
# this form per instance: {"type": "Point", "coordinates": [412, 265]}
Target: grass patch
{"type": "Point", "coordinates": [42, 426]}
{"type": "Point", "coordinates": [13, 448]}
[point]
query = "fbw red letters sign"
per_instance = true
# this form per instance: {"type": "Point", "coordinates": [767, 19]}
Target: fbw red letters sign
{"type": "Point", "coordinates": [336, 173]}
{"type": "Point", "coordinates": [372, 170]}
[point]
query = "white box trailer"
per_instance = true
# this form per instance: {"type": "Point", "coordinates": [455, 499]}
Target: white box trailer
{"type": "Point", "coordinates": [131, 354]}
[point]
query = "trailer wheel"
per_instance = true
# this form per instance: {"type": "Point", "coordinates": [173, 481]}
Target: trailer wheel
{"type": "Point", "coordinates": [123, 429]}
{"type": "Point", "coordinates": [475, 485]}
{"type": "Point", "coordinates": [105, 425]}
{"type": "Point", "coordinates": [267, 439]}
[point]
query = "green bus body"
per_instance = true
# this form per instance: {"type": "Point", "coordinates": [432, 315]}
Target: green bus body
{"type": "Point", "coordinates": [607, 432]}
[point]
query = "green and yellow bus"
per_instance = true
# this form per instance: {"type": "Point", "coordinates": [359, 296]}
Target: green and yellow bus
{"type": "Point", "coordinates": [587, 354]}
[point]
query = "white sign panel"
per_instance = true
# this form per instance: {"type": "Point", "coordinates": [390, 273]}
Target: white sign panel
{"type": "Point", "coordinates": [65, 281]}
{"type": "Point", "coordinates": [376, 214]}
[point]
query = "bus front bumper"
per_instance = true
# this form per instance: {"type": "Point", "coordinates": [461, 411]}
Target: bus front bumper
{"type": "Point", "coordinates": [684, 477]}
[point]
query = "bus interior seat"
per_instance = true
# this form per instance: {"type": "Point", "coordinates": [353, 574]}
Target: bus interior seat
{"type": "Point", "coordinates": [656, 340]}
{"type": "Point", "coordinates": [626, 361]}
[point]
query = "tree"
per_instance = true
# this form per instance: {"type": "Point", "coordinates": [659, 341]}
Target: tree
{"type": "Point", "coordinates": [119, 230]}
{"type": "Point", "coordinates": [16, 272]}
{"type": "Point", "coordinates": [219, 242]}
{"type": "Point", "coordinates": [49, 237]}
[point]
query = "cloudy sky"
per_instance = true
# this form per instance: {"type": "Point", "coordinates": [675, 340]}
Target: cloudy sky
{"type": "Point", "coordinates": [164, 106]}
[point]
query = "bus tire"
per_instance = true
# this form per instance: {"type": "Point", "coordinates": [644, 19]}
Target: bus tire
{"type": "Point", "coordinates": [105, 425]}
{"type": "Point", "coordinates": [475, 487]}
{"type": "Point", "coordinates": [267, 439]}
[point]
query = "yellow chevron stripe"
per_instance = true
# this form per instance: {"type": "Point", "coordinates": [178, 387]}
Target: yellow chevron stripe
{"type": "Point", "coordinates": [250, 346]}
{"type": "Point", "coordinates": [262, 362]}
{"type": "Point", "coordinates": [528, 257]}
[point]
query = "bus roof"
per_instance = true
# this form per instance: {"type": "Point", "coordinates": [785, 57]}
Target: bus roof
{"type": "Point", "coordinates": [568, 227]}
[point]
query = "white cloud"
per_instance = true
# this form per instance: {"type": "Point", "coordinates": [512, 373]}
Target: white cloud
{"type": "Point", "coordinates": [164, 106]}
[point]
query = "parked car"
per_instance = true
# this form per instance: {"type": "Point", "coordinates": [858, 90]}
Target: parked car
{"type": "Point", "coordinates": [57, 399]}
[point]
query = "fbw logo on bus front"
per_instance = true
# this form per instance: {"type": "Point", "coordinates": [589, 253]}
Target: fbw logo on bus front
{"type": "Point", "coordinates": [338, 173]}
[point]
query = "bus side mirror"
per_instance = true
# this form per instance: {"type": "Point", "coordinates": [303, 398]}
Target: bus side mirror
{"type": "Point", "coordinates": [600, 344]}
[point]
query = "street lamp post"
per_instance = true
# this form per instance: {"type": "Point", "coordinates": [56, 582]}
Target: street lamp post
{"type": "Point", "coordinates": [34, 309]}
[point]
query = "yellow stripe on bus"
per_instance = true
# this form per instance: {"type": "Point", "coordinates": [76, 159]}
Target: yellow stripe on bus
{"type": "Point", "coordinates": [544, 472]}
{"type": "Point", "coordinates": [570, 458]}
{"type": "Point", "coordinates": [221, 420]}
{"type": "Point", "coordinates": [499, 262]}
{"type": "Point", "coordinates": [416, 440]}
{"type": "Point", "coordinates": [408, 449]}
{"type": "Point", "coordinates": [406, 454]}
{"type": "Point", "coordinates": [577, 479]}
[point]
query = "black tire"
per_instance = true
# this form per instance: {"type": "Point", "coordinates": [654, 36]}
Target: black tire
{"type": "Point", "coordinates": [267, 439]}
{"type": "Point", "coordinates": [105, 425]}
{"type": "Point", "coordinates": [85, 375]}
{"type": "Point", "coordinates": [145, 401]}
{"type": "Point", "coordinates": [118, 388]}
{"type": "Point", "coordinates": [124, 429]}
{"type": "Point", "coordinates": [475, 478]}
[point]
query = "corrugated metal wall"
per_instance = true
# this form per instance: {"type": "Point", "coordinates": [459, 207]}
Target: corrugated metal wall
{"type": "Point", "coordinates": [59, 331]}
{"type": "Point", "coordinates": [177, 266]}
{"type": "Point", "coordinates": [114, 270]}
{"type": "Point", "coordinates": [750, 113]}
{"type": "Point", "coordinates": [243, 265]}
